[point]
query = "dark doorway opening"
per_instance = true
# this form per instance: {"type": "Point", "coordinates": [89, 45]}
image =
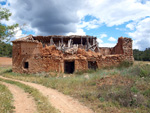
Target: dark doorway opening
{"type": "Point", "coordinates": [69, 66]}
{"type": "Point", "coordinates": [26, 65]}
{"type": "Point", "coordinates": [92, 65]}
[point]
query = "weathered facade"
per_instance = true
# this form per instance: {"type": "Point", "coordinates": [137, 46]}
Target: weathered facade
{"type": "Point", "coordinates": [34, 54]}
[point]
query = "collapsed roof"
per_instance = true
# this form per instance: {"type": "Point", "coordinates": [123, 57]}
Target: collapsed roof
{"type": "Point", "coordinates": [64, 43]}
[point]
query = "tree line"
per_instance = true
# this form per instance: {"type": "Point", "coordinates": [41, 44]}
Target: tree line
{"type": "Point", "coordinates": [5, 49]}
{"type": "Point", "coordinates": [142, 55]}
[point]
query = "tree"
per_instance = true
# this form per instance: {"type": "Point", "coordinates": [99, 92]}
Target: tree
{"type": "Point", "coordinates": [142, 55]}
{"type": "Point", "coordinates": [6, 31]}
{"type": "Point", "coordinates": [5, 49]}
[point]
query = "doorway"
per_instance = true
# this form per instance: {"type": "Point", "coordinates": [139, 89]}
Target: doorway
{"type": "Point", "coordinates": [26, 65]}
{"type": "Point", "coordinates": [69, 66]}
{"type": "Point", "coordinates": [92, 65]}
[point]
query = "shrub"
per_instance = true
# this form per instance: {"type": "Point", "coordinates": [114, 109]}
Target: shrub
{"type": "Point", "coordinates": [101, 99]}
{"type": "Point", "coordinates": [125, 64]}
{"type": "Point", "coordinates": [126, 96]}
{"type": "Point", "coordinates": [134, 89]}
{"type": "Point", "coordinates": [145, 71]}
{"type": "Point", "coordinates": [147, 93]}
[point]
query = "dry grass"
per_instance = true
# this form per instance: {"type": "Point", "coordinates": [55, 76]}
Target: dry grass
{"type": "Point", "coordinates": [6, 100]}
{"type": "Point", "coordinates": [118, 90]}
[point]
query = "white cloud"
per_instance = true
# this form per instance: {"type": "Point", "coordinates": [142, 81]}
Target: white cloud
{"type": "Point", "coordinates": [55, 17]}
{"type": "Point", "coordinates": [130, 26]}
{"type": "Point", "coordinates": [117, 12]}
{"type": "Point", "coordinates": [89, 25]}
{"type": "Point", "coordinates": [102, 43]}
{"type": "Point", "coordinates": [141, 35]}
{"type": "Point", "coordinates": [99, 41]}
{"type": "Point", "coordinates": [112, 39]}
{"type": "Point", "coordinates": [78, 32]}
{"type": "Point", "coordinates": [102, 36]}
{"type": "Point", "coordinates": [2, 0]}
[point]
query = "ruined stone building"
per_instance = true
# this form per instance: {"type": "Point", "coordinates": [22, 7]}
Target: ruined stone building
{"type": "Point", "coordinates": [33, 54]}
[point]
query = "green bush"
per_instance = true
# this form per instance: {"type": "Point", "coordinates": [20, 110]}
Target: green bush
{"type": "Point", "coordinates": [125, 64]}
{"type": "Point", "coordinates": [101, 99]}
{"type": "Point", "coordinates": [134, 89]}
{"type": "Point", "coordinates": [145, 71]}
{"type": "Point", "coordinates": [147, 93]}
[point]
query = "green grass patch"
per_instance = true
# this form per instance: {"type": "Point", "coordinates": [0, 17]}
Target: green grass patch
{"type": "Point", "coordinates": [43, 106]}
{"type": "Point", "coordinates": [6, 100]}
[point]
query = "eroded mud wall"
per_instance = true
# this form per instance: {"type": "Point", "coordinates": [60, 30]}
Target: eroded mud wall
{"type": "Point", "coordinates": [48, 58]}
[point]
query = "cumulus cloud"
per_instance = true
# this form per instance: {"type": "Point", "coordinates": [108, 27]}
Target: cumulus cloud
{"type": "Point", "coordinates": [61, 17]}
{"type": "Point", "coordinates": [118, 12]}
{"type": "Point", "coordinates": [102, 35]}
{"type": "Point", "coordinates": [102, 44]}
{"type": "Point", "coordinates": [112, 39]}
{"type": "Point", "coordinates": [141, 35]}
{"type": "Point", "coordinates": [48, 16]}
{"type": "Point", "coordinates": [131, 26]}
{"type": "Point", "coordinates": [78, 32]}
{"type": "Point", "coordinates": [89, 25]}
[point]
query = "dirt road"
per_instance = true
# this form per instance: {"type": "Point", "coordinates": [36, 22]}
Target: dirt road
{"type": "Point", "coordinates": [23, 102]}
{"type": "Point", "coordinates": [63, 103]}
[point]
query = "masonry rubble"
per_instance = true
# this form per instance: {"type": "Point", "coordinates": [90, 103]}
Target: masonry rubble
{"type": "Point", "coordinates": [32, 54]}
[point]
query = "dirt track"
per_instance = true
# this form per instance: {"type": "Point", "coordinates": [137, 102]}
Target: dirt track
{"type": "Point", "coordinates": [63, 103]}
{"type": "Point", "coordinates": [23, 102]}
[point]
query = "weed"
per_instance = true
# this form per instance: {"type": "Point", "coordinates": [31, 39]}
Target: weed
{"type": "Point", "coordinates": [101, 99]}
{"type": "Point", "coordinates": [84, 71]}
{"type": "Point", "coordinates": [147, 93]}
{"type": "Point", "coordinates": [120, 90]}
{"type": "Point", "coordinates": [134, 89]}
{"type": "Point", "coordinates": [6, 100]}
{"type": "Point", "coordinates": [124, 64]}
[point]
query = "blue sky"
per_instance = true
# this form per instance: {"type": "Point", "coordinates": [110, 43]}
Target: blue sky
{"type": "Point", "coordinates": [105, 19]}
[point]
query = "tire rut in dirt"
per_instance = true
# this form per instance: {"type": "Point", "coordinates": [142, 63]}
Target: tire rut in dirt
{"type": "Point", "coordinates": [23, 102]}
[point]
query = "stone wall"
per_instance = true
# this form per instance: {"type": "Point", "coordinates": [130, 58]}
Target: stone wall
{"type": "Point", "coordinates": [105, 51]}
{"type": "Point", "coordinates": [48, 58]}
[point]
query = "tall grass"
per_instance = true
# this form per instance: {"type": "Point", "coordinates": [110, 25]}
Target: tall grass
{"type": "Point", "coordinates": [6, 100]}
{"type": "Point", "coordinates": [124, 88]}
